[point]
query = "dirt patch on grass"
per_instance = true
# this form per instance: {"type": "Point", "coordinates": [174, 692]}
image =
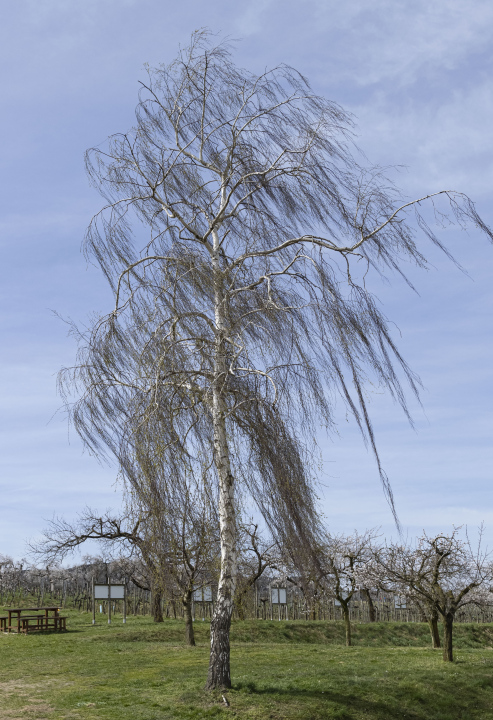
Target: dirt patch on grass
{"type": "Point", "coordinates": [36, 709]}
{"type": "Point", "coordinates": [33, 708]}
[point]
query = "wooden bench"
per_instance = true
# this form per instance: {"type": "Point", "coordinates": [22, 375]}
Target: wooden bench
{"type": "Point", "coordinates": [26, 624]}
{"type": "Point", "coordinates": [42, 623]}
{"type": "Point", "coordinates": [58, 622]}
{"type": "Point", "coordinates": [49, 619]}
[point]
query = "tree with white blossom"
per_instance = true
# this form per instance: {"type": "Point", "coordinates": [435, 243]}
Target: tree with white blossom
{"type": "Point", "coordinates": [446, 571]}
{"type": "Point", "coordinates": [344, 560]}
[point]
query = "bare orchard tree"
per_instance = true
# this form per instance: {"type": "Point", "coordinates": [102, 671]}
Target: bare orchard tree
{"type": "Point", "coordinates": [123, 533]}
{"type": "Point", "coordinates": [376, 577]}
{"type": "Point", "coordinates": [176, 546]}
{"type": "Point", "coordinates": [11, 573]}
{"type": "Point", "coordinates": [255, 556]}
{"type": "Point", "coordinates": [445, 571]}
{"type": "Point", "coordinates": [235, 223]}
{"type": "Point", "coordinates": [345, 560]}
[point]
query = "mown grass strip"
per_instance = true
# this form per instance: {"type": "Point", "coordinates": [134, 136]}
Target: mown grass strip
{"type": "Point", "coordinates": [144, 672]}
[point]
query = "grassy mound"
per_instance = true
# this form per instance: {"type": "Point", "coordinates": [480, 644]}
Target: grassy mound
{"type": "Point", "coordinates": [383, 634]}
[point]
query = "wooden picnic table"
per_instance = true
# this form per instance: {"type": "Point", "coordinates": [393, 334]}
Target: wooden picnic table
{"type": "Point", "coordinates": [46, 618]}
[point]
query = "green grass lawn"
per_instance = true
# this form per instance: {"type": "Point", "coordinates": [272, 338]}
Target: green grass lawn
{"type": "Point", "coordinates": [142, 671]}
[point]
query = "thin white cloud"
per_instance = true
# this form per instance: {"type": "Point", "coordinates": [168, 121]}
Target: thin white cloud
{"type": "Point", "coordinates": [396, 41]}
{"type": "Point", "coordinates": [446, 144]}
{"type": "Point", "coordinates": [90, 10]}
{"type": "Point", "coordinates": [416, 75]}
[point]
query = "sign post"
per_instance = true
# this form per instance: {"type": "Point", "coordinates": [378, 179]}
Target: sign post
{"type": "Point", "coordinates": [202, 595]}
{"type": "Point", "coordinates": [109, 592]}
{"type": "Point", "coordinates": [93, 603]}
{"type": "Point", "coordinates": [278, 597]}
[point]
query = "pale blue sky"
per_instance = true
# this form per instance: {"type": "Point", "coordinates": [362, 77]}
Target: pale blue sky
{"type": "Point", "coordinates": [416, 75]}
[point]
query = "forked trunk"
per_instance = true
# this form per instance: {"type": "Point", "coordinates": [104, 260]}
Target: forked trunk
{"type": "Point", "coordinates": [347, 624]}
{"type": "Point", "coordinates": [433, 623]}
{"type": "Point", "coordinates": [187, 606]}
{"type": "Point", "coordinates": [448, 624]}
{"type": "Point", "coordinates": [157, 610]}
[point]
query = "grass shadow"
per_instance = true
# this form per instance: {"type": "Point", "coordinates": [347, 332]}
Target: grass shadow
{"type": "Point", "coordinates": [439, 704]}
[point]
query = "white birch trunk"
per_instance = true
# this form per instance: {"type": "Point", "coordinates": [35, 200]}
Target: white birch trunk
{"type": "Point", "coordinates": [219, 675]}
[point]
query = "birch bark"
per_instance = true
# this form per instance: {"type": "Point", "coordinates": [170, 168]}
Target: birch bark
{"type": "Point", "coordinates": [219, 675]}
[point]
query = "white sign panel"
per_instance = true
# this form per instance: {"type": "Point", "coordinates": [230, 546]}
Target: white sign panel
{"type": "Point", "coordinates": [101, 592]}
{"type": "Point", "coordinates": [117, 592]}
{"type": "Point", "coordinates": [400, 602]}
{"type": "Point", "coordinates": [278, 596]}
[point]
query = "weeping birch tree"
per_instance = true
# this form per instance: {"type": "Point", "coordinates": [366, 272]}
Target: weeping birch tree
{"type": "Point", "coordinates": [237, 229]}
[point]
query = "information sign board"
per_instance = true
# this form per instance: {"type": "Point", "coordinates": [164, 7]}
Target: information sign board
{"type": "Point", "coordinates": [102, 592]}
{"type": "Point", "coordinates": [108, 592]}
{"type": "Point", "coordinates": [278, 596]}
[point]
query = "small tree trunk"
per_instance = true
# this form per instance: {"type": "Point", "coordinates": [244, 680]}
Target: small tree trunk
{"type": "Point", "coordinates": [157, 611]}
{"type": "Point", "coordinates": [347, 624]}
{"type": "Point", "coordinates": [371, 606]}
{"type": "Point", "coordinates": [433, 623]}
{"type": "Point", "coordinates": [239, 606]}
{"type": "Point", "coordinates": [448, 623]}
{"type": "Point", "coordinates": [187, 606]}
